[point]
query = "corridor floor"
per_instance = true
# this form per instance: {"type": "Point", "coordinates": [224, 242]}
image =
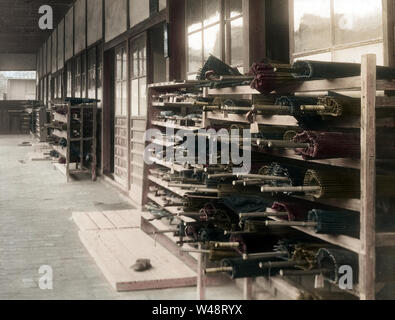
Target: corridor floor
{"type": "Point", "coordinates": [36, 230]}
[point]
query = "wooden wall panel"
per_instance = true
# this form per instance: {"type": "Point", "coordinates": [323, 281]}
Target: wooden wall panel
{"type": "Point", "coordinates": [69, 38]}
{"type": "Point", "coordinates": [80, 26]}
{"type": "Point", "coordinates": [138, 11]}
{"type": "Point", "coordinates": [11, 123]}
{"type": "Point", "coordinates": [116, 18]}
{"type": "Point", "coordinates": [61, 45]}
{"type": "Point", "coordinates": [49, 55]}
{"type": "Point", "coordinates": [54, 51]}
{"type": "Point", "coordinates": [95, 21]}
{"type": "Point", "coordinates": [17, 62]}
{"type": "Point", "coordinates": [44, 59]}
{"type": "Point", "coordinates": [389, 32]}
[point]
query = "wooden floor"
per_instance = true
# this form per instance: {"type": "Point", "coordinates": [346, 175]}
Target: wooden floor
{"type": "Point", "coordinates": [114, 239]}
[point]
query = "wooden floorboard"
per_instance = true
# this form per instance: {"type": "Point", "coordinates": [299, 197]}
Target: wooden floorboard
{"type": "Point", "coordinates": [117, 243]}
{"type": "Point", "coordinates": [84, 222]}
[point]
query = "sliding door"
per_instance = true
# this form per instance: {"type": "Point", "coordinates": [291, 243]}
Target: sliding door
{"type": "Point", "coordinates": [121, 117]}
{"type": "Point", "coordinates": [138, 114]}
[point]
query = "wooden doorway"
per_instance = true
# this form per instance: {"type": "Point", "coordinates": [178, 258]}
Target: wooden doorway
{"type": "Point", "coordinates": [138, 115]}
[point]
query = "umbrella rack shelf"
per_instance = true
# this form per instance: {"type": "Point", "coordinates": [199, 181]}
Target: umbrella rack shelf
{"type": "Point", "coordinates": [371, 92]}
{"type": "Point", "coordinates": [74, 130]}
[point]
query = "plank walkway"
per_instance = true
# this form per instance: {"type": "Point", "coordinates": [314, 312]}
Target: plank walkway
{"type": "Point", "coordinates": [115, 241]}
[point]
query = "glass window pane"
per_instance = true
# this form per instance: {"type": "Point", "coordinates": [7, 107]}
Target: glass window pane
{"type": "Point", "coordinates": [118, 100]}
{"type": "Point", "coordinates": [162, 4]}
{"type": "Point", "coordinates": [135, 63]}
{"type": "Point", "coordinates": [77, 92]}
{"type": "Point", "coordinates": [143, 97]}
{"type": "Point", "coordinates": [194, 51]}
{"type": "Point", "coordinates": [326, 56]}
{"type": "Point", "coordinates": [124, 65]}
{"type": "Point", "coordinates": [124, 98]}
{"type": "Point", "coordinates": [139, 11]}
{"type": "Point", "coordinates": [312, 24]}
{"type": "Point", "coordinates": [359, 21]}
{"type": "Point", "coordinates": [118, 75]}
{"type": "Point", "coordinates": [194, 15]}
{"type": "Point", "coordinates": [143, 59]}
{"type": "Point", "coordinates": [135, 98]}
{"type": "Point", "coordinates": [211, 12]}
{"type": "Point", "coordinates": [212, 41]}
{"type": "Point", "coordinates": [83, 86]}
{"type": "Point", "coordinates": [355, 54]}
{"type": "Point", "coordinates": [237, 41]}
{"type": "Point", "coordinates": [235, 8]}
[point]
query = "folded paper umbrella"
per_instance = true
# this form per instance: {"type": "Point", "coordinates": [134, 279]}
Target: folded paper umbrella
{"type": "Point", "coordinates": [323, 185]}
{"type": "Point", "coordinates": [211, 234]}
{"type": "Point", "coordinates": [217, 74]}
{"type": "Point", "coordinates": [295, 211]}
{"type": "Point", "coordinates": [253, 243]}
{"type": "Point", "coordinates": [289, 211]}
{"type": "Point", "coordinates": [214, 254]}
{"type": "Point", "coordinates": [332, 259]}
{"type": "Point", "coordinates": [295, 175]}
{"type": "Point", "coordinates": [324, 222]}
{"type": "Point", "coordinates": [293, 106]}
{"type": "Point", "coordinates": [305, 69]}
{"type": "Point", "coordinates": [267, 77]}
{"type": "Point", "coordinates": [334, 222]}
{"type": "Point", "coordinates": [238, 268]}
{"type": "Point", "coordinates": [328, 145]}
{"type": "Point", "coordinates": [217, 67]}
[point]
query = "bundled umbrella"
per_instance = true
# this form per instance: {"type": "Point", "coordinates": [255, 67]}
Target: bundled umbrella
{"type": "Point", "coordinates": [333, 184]}
{"type": "Point", "coordinates": [238, 268]}
{"type": "Point", "coordinates": [322, 185]}
{"type": "Point", "coordinates": [294, 175]}
{"type": "Point", "coordinates": [334, 222]}
{"type": "Point", "coordinates": [211, 234]}
{"type": "Point", "coordinates": [245, 203]}
{"type": "Point", "coordinates": [292, 211]}
{"type": "Point", "coordinates": [324, 222]}
{"type": "Point", "coordinates": [253, 243]}
{"type": "Point", "coordinates": [328, 145]}
{"type": "Point", "coordinates": [285, 256]}
{"type": "Point", "coordinates": [268, 77]}
{"type": "Point", "coordinates": [214, 252]}
{"type": "Point", "coordinates": [293, 106]}
{"type": "Point", "coordinates": [331, 259]}
{"type": "Point", "coordinates": [217, 74]}
{"type": "Point", "coordinates": [305, 69]}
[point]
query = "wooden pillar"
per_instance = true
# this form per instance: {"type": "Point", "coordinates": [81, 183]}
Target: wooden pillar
{"type": "Point", "coordinates": [367, 258]}
{"type": "Point", "coordinates": [389, 32]}
{"type": "Point", "coordinates": [176, 63]}
{"type": "Point", "coordinates": [247, 288]}
{"type": "Point", "coordinates": [254, 32]}
{"type": "Point", "coordinates": [201, 277]}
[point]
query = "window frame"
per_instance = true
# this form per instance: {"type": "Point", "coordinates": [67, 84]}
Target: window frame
{"type": "Point", "coordinates": [334, 47]}
{"type": "Point", "coordinates": [142, 37]}
{"type": "Point", "coordinates": [224, 23]}
{"type": "Point", "coordinates": [122, 81]}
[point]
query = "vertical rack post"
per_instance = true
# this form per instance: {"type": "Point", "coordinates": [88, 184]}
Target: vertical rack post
{"type": "Point", "coordinates": [82, 109]}
{"type": "Point", "coordinates": [94, 142]}
{"type": "Point", "coordinates": [248, 288]}
{"type": "Point", "coordinates": [201, 277]}
{"type": "Point", "coordinates": [367, 257]}
{"type": "Point", "coordinates": [68, 156]}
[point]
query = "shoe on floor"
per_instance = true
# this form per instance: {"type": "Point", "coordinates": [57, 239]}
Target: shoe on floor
{"type": "Point", "coordinates": [142, 265]}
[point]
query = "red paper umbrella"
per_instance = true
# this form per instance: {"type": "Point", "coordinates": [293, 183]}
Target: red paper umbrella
{"type": "Point", "coordinates": [267, 77]}
{"type": "Point", "coordinates": [328, 145]}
